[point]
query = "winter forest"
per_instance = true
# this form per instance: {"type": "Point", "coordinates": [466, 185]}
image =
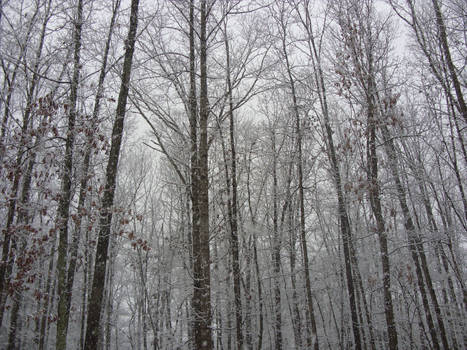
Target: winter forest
{"type": "Point", "coordinates": [233, 174]}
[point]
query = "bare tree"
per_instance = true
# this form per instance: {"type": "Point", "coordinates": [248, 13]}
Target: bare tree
{"type": "Point", "coordinates": [93, 329]}
{"type": "Point", "coordinates": [66, 190]}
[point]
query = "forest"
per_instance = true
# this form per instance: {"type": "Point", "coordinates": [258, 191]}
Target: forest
{"type": "Point", "coordinates": [233, 174]}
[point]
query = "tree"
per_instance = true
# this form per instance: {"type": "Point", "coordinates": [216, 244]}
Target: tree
{"type": "Point", "coordinates": [346, 233]}
{"type": "Point", "coordinates": [65, 197]}
{"type": "Point", "coordinates": [361, 34]}
{"type": "Point", "coordinates": [7, 266]}
{"type": "Point", "coordinates": [312, 340]}
{"type": "Point", "coordinates": [290, 177]}
{"type": "Point", "coordinates": [93, 329]}
{"type": "Point", "coordinates": [201, 260]}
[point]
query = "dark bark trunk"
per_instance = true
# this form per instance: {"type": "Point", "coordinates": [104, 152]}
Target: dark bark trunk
{"type": "Point", "coordinates": [259, 345]}
{"type": "Point", "coordinates": [202, 291]}
{"type": "Point", "coordinates": [49, 296]}
{"type": "Point", "coordinates": [447, 55]}
{"type": "Point", "coordinates": [296, 318]}
{"type": "Point", "coordinates": [255, 258]}
{"type": "Point", "coordinates": [195, 173]}
{"type": "Point", "coordinates": [95, 301]}
{"type": "Point", "coordinates": [312, 340]}
{"type": "Point", "coordinates": [66, 191]}
{"type": "Point", "coordinates": [248, 293]}
{"type": "Point", "coordinates": [376, 207]}
{"type": "Point", "coordinates": [234, 220]}
{"type": "Point", "coordinates": [73, 251]}
{"type": "Point", "coordinates": [276, 251]}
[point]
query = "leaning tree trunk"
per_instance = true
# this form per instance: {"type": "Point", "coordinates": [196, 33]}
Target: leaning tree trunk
{"type": "Point", "coordinates": [441, 26]}
{"type": "Point", "coordinates": [97, 291]}
{"type": "Point", "coordinates": [73, 254]}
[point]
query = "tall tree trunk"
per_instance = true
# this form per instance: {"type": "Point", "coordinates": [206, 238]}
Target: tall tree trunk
{"type": "Point", "coordinates": [276, 251]}
{"type": "Point", "coordinates": [73, 251]}
{"type": "Point", "coordinates": [461, 106]}
{"type": "Point", "coordinates": [248, 292]}
{"type": "Point", "coordinates": [375, 202]}
{"type": "Point", "coordinates": [344, 221]}
{"type": "Point", "coordinates": [194, 173]}
{"type": "Point", "coordinates": [95, 301]}
{"type": "Point", "coordinates": [65, 195]}
{"type": "Point", "coordinates": [259, 344]}
{"type": "Point", "coordinates": [201, 273]}
{"type": "Point", "coordinates": [255, 257]}
{"type": "Point", "coordinates": [49, 297]}
{"type": "Point", "coordinates": [312, 340]}
{"type": "Point", "coordinates": [234, 219]}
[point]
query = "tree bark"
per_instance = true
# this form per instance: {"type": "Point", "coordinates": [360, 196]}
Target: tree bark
{"type": "Point", "coordinates": [234, 219]}
{"type": "Point", "coordinates": [447, 55]}
{"type": "Point", "coordinates": [66, 191]}
{"type": "Point", "coordinates": [95, 300]}
{"type": "Point", "coordinates": [276, 251]}
{"type": "Point", "coordinates": [201, 255]}
{"type": "Point", "coordinates": [73, 251]}
{"type": "Point", "coordinates": [375, 201]}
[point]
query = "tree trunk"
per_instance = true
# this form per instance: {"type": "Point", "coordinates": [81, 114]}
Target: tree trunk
{"type": "Point", "coordinates": [375, 202]}
{"type": "Point", "coordinates": [65, 195]}
{"type": "Point", "coordinates": [234, 220]}
{"type": "Point", "coordinates": [201, 273]}
{"type": "Point", "coordinates": [255, 259]}
{"type": "Point", "coordinates": [461, 106]}
{"type": "Point", "coordinates": [73, 251]}
{"type": "Point", "coordinates": [276, 251]}
{"type": "Point", "coordinates": [312, 341]}
{"type": "Point", "coordinates": [95, 301]}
